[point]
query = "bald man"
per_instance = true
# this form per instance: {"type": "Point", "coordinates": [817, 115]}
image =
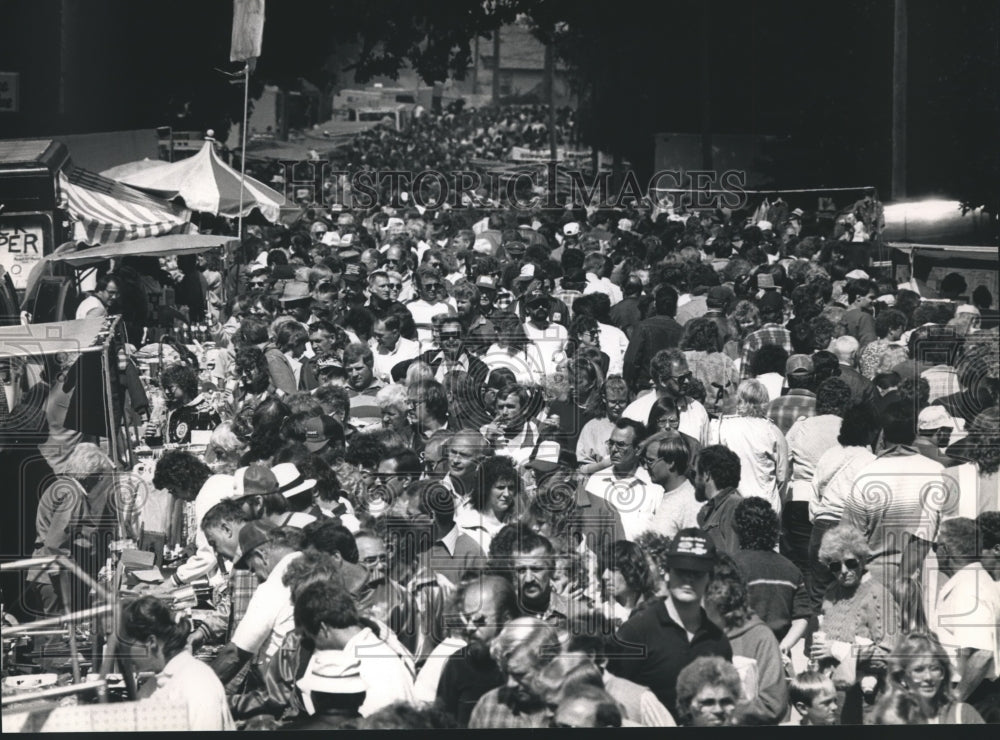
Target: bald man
{"type": "Point", "coordinates": [862, 390]}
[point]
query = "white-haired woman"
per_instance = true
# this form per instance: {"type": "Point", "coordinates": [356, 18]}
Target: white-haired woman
{"type": "Point", "coordinates": [759, 444]}
{"type": "Point", "coordinates": [70, 512]}
{"type": "Point", "coordinates": [860, 618]}
{"type": "Point", "coordinates": [393, 403]}
{"type": "Point", "coordinates": [224, 449]}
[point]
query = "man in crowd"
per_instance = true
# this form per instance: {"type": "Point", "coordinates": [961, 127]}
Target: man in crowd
{"type": "Point", "coordinates": [362, 386]}
{"type": "Point", "coordinates": [660, 331]}
{"type": "Point", "coordinates": [672, 632]}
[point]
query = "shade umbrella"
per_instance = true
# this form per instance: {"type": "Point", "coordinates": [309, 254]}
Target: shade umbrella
{"type": "Point", "coordinates": [130, 168]}
{"type": "Point", "coordinates": [209, 185]}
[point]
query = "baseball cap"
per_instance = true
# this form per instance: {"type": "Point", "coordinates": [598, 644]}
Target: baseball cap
{"type": "Point", "coordinates": [857, 275]}
{"type": "Point", "coordinates": [691, 550]}
{"type": "Point", "coordinates": [798, 212]}
{"type": "Point", "coordinates": [321, 430]}
{"type": "Point", "coordinates": [331, 365]}
{"type": "Point", "coordinates": [533, 297]}
{"type": "Point", "coordinates": [253, 535]}
{"type": "Point", "coordinates": [486, 281]}
{"type": "Point", "coordinates": [934, 417]}
{"type": "Point", "coordinates": [515, 247]}
{"type": "Point", "coordinates": [571, 229]}
{"type": "Point", "coordinates": [348, 253]}
{"type": "Point", "coordinates": [294, 291]}
{"type": "Point", "coordinates": [354, 273]}
{"type": "Point", "coordinates": [257, 480]}
{"type": "Point", "coordinates": [799, 364]}
{"type": "Point", "coordinates": [332, 672]}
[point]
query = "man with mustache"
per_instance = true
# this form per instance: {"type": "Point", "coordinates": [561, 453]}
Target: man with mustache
{"type": "Point", "coordinates": [523, 647]}
{"type": "Point", "coordinates": [670, 633]}
{"type": "Point", "coordinates": [533, 560]}
{"type": "Point", "coordinates": [484, 606]}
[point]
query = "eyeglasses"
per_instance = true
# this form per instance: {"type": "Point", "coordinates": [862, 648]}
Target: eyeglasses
{"type": "Point", "coordinates": [851, 563]}
{"type": "Point", "coordinates": [375, 559]}
{"type": "Point", "coordinates": [451, 335]}
{"type": "Point", "coordinates": [615, 445]}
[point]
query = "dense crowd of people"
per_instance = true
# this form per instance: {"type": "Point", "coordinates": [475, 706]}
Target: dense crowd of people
{"type": "Point", "coordinates": [595, 468]}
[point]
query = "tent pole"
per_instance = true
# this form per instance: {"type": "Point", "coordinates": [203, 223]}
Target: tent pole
{"type": "Point", "coordinates": [243, 143]}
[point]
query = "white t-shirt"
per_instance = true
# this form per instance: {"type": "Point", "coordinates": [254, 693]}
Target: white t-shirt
{"type": "Point", "coordinates": [527, 366]}
{"type": "Point", "coordinates": [187, 681]}
{"type": "Point", "coordinates": [613, 343]}
{"type": "Point", "coordinates": [270, 614]}
{"type": "Point", "coordinates": [406, 349]}
{"type": "Point", "coordinates": [91, 306]}
{"type": "Point", "coordinates": [678, 510]}
{"type": "Point", "coordinates": [966, 614]}
{"type": "Point", "coordinates": [551, 344]}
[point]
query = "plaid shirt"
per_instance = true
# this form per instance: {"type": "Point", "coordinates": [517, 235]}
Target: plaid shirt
{"type": "Point", "coordinates": [767, 334]}
{"type": "Point", "coordinates": [785, 410]}
{"type": "Point", "coordinates": [490, 712]}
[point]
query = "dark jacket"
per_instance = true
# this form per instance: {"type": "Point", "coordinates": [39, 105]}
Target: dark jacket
{"type": "Point", "coordinates": [648, 338]}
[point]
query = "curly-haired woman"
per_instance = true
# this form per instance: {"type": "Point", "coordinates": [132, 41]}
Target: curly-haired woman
{"type": "Point", "coordinates": [860, 618]}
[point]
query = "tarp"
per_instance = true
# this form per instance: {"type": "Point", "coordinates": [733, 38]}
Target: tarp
{"type": "Point", "coordinates": [48, 339]}
{"type": "Point", "coordinates": [156, 247]}
{"type": "Point", "coordinates": [107, 211]}
{"type": "Point", "coordinates": [208, 184]}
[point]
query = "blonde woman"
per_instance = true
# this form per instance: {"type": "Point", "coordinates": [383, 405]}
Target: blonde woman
{"type": "Point", "coordinates": [760, 445]}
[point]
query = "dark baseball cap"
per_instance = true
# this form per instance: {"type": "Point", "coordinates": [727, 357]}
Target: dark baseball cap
{"type": "Point", "coordinates": [321, 431]}
{"type": "Point", "coordinates": [253, 535]}
{"type": "Point", "coordinates": [691, 549]}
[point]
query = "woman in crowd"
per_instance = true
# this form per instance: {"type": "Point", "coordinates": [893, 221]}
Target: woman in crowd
{"type": "Point", "coordinates": [920, 669]}
{"type": "Point", "coordinates": [833, 480]}
{"type": "Point", "coordinates": [708, 691]}
{"type": "Point", "coordinates": [497, 501]}
{"type": "Point", "coordinates": [153, 640]}
{"type": "Point", "coordinates": [627, 581]}
{"type": "Point", "coordinates": [859, 619]}
{"type": "Point", "coordinates": [760, 445]}
{"type": "Point", "coordinates": [395, 415]}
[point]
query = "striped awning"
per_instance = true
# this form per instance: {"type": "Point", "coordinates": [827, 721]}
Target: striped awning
{"type": "Point", "coordinates": [106, 211]}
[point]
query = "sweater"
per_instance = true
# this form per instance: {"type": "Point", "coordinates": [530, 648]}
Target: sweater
{"type": "Point", "coordinates": [754, 639]}
{"type": "Point", "coordinates": [867, 616]}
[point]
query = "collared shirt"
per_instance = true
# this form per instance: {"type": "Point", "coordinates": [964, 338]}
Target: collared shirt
{"type": "Point", "coordinates": [795, 405]}
{"type": "Point", "coordinates": [654, 647]}
{"type": "Point", "coordinates": [454, 554]}
{"type": "Point", "coordinates": [943, 381]}
{"type": "Point", "coordinates": [635, 497]}
{"type": "Point", "coordinates": [592, 447]}
{"type": "Point", "coordinates": [270, 614]}
{"type": "Point", "coordinates": [423, 312]}
{"type": "Point", "coordinates": [717, 517]}
{"type": "Point", "coordinates": [188, 682]}
{"type": "Point", "coordinates": [763, 454]}
{"type": "Point", "coordinates": [966, 614]}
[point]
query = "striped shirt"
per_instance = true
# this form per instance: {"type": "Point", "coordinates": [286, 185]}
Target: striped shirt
{"type": "Point", "coordinates": [900, 492]}
{"type": "Point", "coordinates": [767, 334]}
{"type": "Point", "coordinates": [365, 413]}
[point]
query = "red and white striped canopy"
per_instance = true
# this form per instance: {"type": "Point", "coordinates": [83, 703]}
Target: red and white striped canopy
{"type": "Point", "coordinates": [208, 184]}
{"type": "Point", "coordinates": [106, 211]}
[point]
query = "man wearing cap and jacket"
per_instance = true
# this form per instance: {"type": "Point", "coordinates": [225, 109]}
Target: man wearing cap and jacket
{"type": "Point", "coordinates": [267, 550]}
{"type": "Point", "coordinates": [665, 635]}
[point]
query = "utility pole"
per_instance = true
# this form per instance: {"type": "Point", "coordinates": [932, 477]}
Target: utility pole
{"type": "Point", "coordinates": [550, 99]}
{"type": "Point", "coordinates": [496, 67]}
{"type": "Point", "coordinates": [706, 88]}
{"type": "Point", "coordinates": [475, 68]}
{"type": "Point", "coordinates": [899, 90]}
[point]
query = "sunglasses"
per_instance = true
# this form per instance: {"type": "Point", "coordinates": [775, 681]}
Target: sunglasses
{"type": "Point", "coordinates": [395, 286]}
{"type": "Point", "coordinates": [851, 563]}
{"type": "Point", "coordinates": [375, 559]}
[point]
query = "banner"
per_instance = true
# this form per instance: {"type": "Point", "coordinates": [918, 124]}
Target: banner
{"type": "Point", "coordinates": [248, 30]}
